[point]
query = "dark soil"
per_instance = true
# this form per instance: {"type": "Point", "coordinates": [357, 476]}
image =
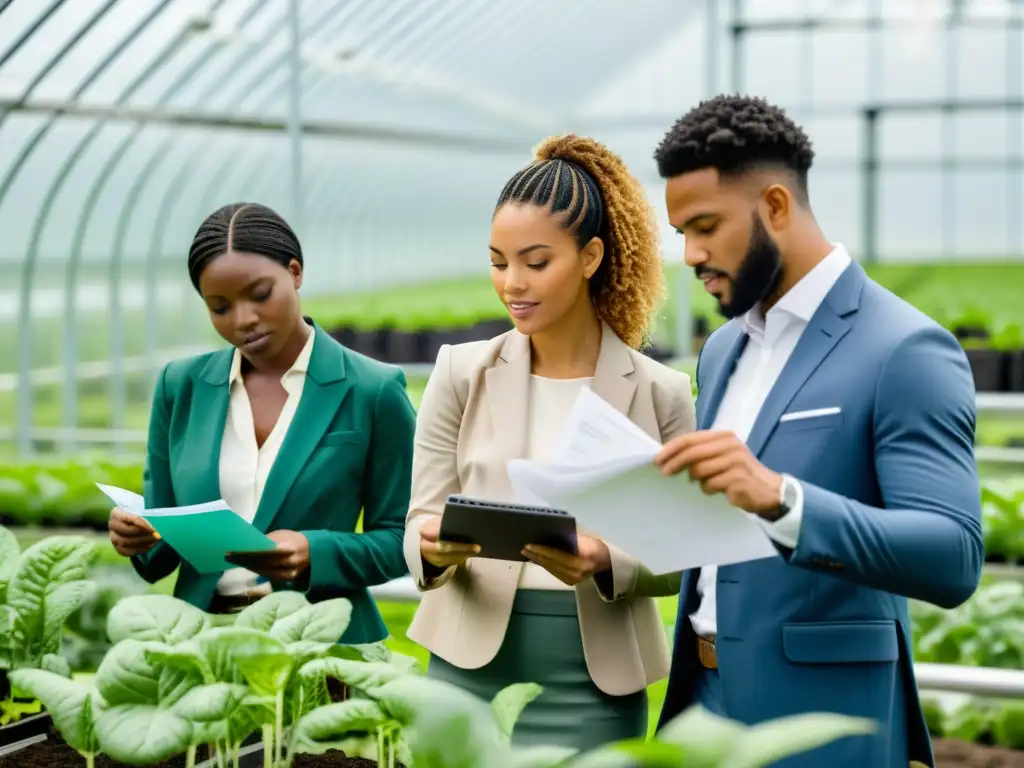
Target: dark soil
{"type": "Point", "coordinates": [950, 753]}
{"type": "Point", "coordinates": [54, 753]}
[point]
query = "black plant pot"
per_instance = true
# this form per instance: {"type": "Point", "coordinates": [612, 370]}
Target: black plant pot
{"type": "Point", "coordinates": [661, 354]}
{"type": "Point", "coordinates": [488, 329]}
{"type": "Point", "coordinates": [24, 733]}
{"type": "Point", "coordinates": [435, 338]}
{"type": "Point", "coordinates": [404, 347]}
{"type": "Point", "coordinates": [990, 369]}
{"type": "Point", "coordinates": [1015, 374]}
{"type": "Point", "coordinates": [344, 335]}
{"type": "Point", "coordinates": [972, 332]}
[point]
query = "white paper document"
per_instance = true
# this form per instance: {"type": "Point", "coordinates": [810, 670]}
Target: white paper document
{"type": "Point", "coordinates": [603, 474]}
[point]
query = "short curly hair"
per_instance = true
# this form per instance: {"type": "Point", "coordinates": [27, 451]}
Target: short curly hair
{"type": "Point", "coordinates": [735, 135]}
{"type": "Point", "coordinates": [590, 185]}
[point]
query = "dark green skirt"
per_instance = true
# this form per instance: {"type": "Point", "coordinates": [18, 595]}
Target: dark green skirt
{"type": "Point", "coordinates": [543, 645]}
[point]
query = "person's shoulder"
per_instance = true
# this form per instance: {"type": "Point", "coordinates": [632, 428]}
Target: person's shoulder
{"type": "Point", "coordinates": [661, 376]}
{"type": "Point", "coordinates": [470, 357]}
{"type": "Point", "coordinates": [365, 371]}
{"type": "Point", "coordinates": [180, 373]}
{"type": "Point", "coordinates": [893, 322]}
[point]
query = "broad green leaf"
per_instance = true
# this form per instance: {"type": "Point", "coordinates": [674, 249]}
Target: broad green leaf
{"type": "Point", "coordinates": [58, 665]}
{"type": "Point", "coordinates": [267, 611]}
{"type": "Point", "coordinates": [409, 665]}
{"type": "Point", "coordinates": [37, 575]}
{"type": "Point", "coordinates": [443, 724]}
{"type": "Point", "coordinates": [635, 753]}
{"type": "Point", "coordinates": [69, 702]}
{"type": "Point", "coordinates": [140, 734]}
{"type": "Point", "coordinates": [224, 646]}
{"type": "Point", "coordinates": [357, 674]}
{"type": "Point", "coordinates": [154, 618]}
{"type": "Point", "coordinates": [326, 726]}
{"type": "Point", "coordinates": [323, 622]}
{"type": "Point", "coordinates": [372, 651]}
{"type": "Point", "coordinates": [9, 553]}
{"type": "Point", "coordinates": [185, 657]}
{"type": "Point", "coordinates": [541, 757]}
{"type": "Point", "coordinates": [206, 703]}
{"type": "Point", "coordinates": [126, 677]}
{"type": "Point", "coordinates": [61, 603]}
{"type": "Point", "coordinates": [770, 742]}
{"type": "Point", "coordinates": [307, 650]}
{"type": "Point", "coordinates": [508, 704]}
{"type": "Point", "coordinates": [706, 736]}
{"type": "Point", "coordinates": [266, 673]}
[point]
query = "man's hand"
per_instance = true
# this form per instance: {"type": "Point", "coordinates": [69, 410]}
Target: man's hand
{"type": "Point", "coordinates": [288, 562]}
{"type": "Point", "coordinates": [722, 463]}
{"type": "Point", "coordinates": [130, 534]}
{"type": "Point", "coordinates": [593, 557]}
{"type": "Point", "coordinates": [442, 554]}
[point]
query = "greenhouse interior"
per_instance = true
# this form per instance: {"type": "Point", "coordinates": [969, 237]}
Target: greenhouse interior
{"type": "Point", "coordinates": [383, 132]}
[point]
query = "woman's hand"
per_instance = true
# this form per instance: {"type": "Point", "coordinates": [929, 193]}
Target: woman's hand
{"type": "Point", "coordinates": [442, 554]}
{"type": "Point", "coordinates": [288, 562]}
{"type": "Point", "coordinates": [130, 534]}
{"type": "Point", "coordinates": [593, 557]}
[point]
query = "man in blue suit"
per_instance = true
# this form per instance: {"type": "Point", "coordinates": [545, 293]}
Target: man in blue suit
{"type": "Point", "coordinates": [840, 416]}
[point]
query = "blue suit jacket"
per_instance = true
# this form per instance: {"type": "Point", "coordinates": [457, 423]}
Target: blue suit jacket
{"type": "Point", "coordinates": [891, 510]}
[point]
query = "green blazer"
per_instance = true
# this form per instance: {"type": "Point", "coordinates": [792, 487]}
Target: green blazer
{"type": "Point", "coordinates": [348, 449]}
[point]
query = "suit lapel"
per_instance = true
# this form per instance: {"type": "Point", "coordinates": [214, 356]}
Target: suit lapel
{"type": "Point", "coordinates": [322, 394]}
{"type": "Point", "coordinates": [614, 365]}
{"type": "Point", "coordinates": [209, 413]}
{"type": "Point", "coordinates": [828, 325]}
{"type": "Point", "coordinates": [709, 397]}
{"type": "Point", "coordinates": [508, 391]}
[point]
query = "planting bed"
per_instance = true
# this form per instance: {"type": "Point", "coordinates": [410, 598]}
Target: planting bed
{"type": "Point", "coordinates": [54, 753]}
{"type": "Point", "coordinates": [952, 753]}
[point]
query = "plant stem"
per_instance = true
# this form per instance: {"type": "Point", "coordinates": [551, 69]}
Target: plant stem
{"type": "Point", "coordinates": [190, 756]}
{"type": "Point", "coordinates": [279, 726]}
{"type": "Point", "coordinates": [268, 746]}
{"type": "Point", "coordinates": [90, 760]}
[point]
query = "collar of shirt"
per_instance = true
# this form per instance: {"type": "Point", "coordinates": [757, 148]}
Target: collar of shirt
{"type": "Point", "coordinates": [799, 303]}
{"type": "Point", "coordinates": [290, 377]}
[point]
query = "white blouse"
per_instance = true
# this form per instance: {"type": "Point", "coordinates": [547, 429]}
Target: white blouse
{"type": "Point", "coordinates": [244, 466]}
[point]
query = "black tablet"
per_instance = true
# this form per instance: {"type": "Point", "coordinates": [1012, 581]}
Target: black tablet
{"type": "Point", "coordinates": [502, 530]}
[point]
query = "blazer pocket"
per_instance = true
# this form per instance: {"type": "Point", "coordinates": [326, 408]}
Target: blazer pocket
{"type": "Point", "coordinates": [342, 436]}
{"type": "Point", "coordinates": [799, 421]}
{"type": "Point", "coordinates": [852, 642]}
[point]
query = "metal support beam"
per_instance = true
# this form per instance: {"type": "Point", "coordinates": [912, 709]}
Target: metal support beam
{"type": "Point", "coordinates": [381, 134]}
{"type": "Point", "coordinates": [295, 110]}
{"type": "Point", "coordinates": [869, 180]}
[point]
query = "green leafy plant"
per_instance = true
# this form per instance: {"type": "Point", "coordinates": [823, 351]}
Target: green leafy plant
{"type": "Point", "coordinates": [986, 631]}
{"type": "Point", "coordinates": [39, 589]}
{"type": "Point", "coordinates": [1003, 518]}
{"type": "Point", "coordinates": [175, 680]}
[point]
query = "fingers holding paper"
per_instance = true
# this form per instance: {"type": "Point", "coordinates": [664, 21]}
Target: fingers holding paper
{"type": "Point", "coordinates": [130, 534]}
{"type": "Point", "coordinates": [593, 557]}
{"type": "Point", "coordinates": [722, 463]}
{"type": "Point", "coordinates": [442, 554]}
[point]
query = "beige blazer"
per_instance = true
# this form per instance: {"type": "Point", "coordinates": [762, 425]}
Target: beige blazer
{"type": "Point", "coordinates": [472, 421]}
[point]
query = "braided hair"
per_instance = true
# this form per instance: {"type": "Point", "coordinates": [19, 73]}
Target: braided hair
{"type": "Point", "coordinates": [596, 196]}
{"type": "Point", "coordinates": [246, 228]}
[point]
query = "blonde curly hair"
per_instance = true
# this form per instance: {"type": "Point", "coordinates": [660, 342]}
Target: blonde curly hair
{"type": "Point", "coordinates": [588, 183]}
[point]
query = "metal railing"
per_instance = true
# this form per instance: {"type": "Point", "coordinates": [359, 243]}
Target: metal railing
{"type": "Point", "coordinates": [977, 681]}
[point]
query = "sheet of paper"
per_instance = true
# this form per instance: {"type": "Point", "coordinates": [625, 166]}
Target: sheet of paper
{"type": "Point", "coordinates": [603, 474]}
{"type": "Point", "coordinates": [201, 533]}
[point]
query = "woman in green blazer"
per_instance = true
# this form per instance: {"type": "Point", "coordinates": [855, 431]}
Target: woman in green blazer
{"type": "Point", "coordinates": [295, 432]}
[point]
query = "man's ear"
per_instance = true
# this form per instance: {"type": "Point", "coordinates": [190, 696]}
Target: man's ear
{"type": "Point", "coordinates": [777, 206]}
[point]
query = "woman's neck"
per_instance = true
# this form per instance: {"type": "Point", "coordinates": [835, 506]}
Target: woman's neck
{"type": "Point", "coordinates": [570, 349]}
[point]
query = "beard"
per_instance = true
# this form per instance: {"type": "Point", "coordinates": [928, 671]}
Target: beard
{"type": "Point", "coordinates": [758, 276]}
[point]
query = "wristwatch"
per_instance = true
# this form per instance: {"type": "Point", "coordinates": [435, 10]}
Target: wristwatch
{"type": "Point", "coordinates": [789, 494]}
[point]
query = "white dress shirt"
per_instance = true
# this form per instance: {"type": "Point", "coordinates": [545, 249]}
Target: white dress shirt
{"type": "Point", "coordinates": [244, 465]}
{"type": "Point", "coordinates": [773, 337]}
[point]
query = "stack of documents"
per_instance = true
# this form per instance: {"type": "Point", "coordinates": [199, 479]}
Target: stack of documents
{"type": "Point", "coordinates": [201, 533]}
{"type": "Point", "coordinates": [603, 473]}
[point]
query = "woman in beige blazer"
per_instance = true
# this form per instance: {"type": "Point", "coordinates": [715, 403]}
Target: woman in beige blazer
{"type": "Point", "coordinates": [574, 258]}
